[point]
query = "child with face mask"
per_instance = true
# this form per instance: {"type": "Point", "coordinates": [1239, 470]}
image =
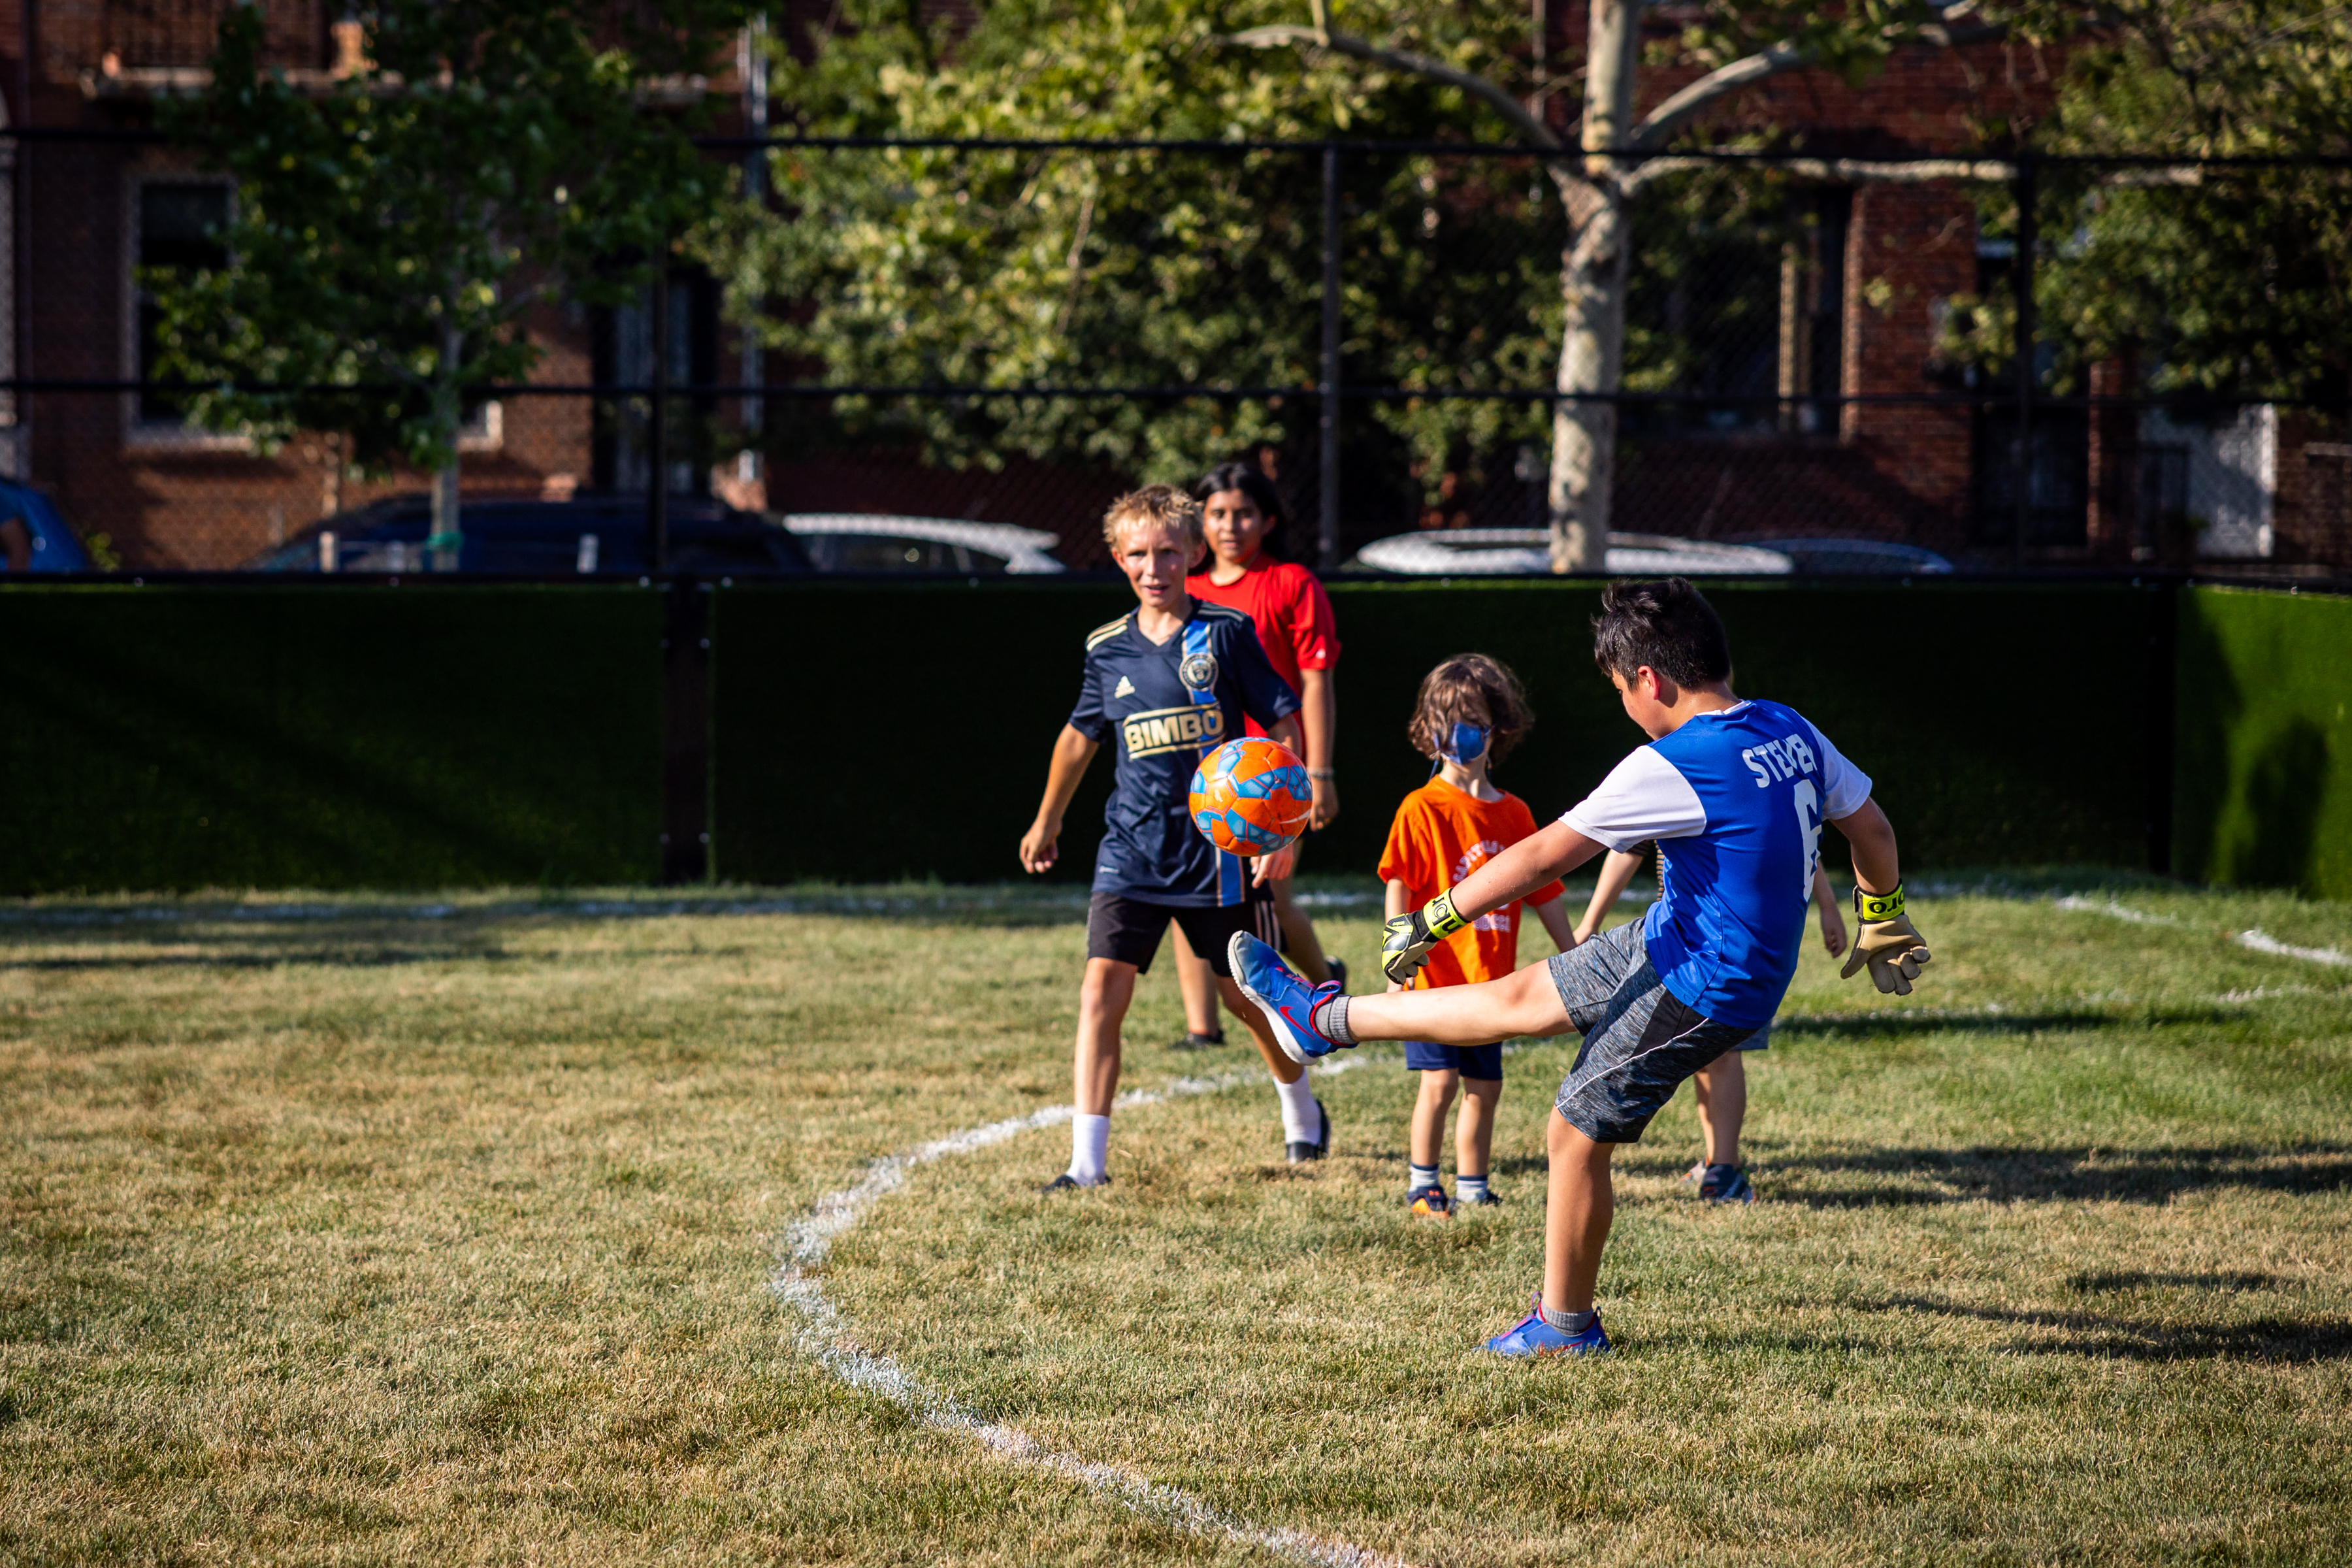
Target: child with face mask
{"type": "Point", "coordinates": [1471, 712]}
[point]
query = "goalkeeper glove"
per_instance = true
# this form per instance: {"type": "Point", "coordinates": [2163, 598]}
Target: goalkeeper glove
{"type": "Point", "coordinates": [1888, 942]}
{"type": "Point", "coordinates": [1405, 940]}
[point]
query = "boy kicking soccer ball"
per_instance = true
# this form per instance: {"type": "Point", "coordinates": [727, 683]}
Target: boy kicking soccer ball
{"type": "Point", "coordinates": [1741, 788]}
{"type": "Point", "coordinates": [1166, 683]}
{"type": "Point", "coordinates": [1471, 712]}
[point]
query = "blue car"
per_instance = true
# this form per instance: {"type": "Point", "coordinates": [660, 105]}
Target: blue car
{"type": "Point", "coordinates": [49, 544]}
{"type": "Point", "coordinates": [590, 535]}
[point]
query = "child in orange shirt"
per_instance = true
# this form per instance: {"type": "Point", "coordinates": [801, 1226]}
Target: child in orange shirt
{"type": "Point", "coordinates": [1470, 714]}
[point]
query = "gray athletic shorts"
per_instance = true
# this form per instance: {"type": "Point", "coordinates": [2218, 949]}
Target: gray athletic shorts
{"type": "Point", "coordinates": [1640, 1041]}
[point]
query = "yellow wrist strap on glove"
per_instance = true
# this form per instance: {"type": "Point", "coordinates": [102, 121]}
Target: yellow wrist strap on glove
{"type": "Point", "coordinates": [1888, 943]}
{"type": "Point", "coordinates": [1406, 939]}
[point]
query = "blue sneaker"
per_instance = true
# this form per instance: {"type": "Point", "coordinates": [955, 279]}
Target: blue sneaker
{"type": "Point", "coordinates": [1532, 1337]}
{"type": "Point", "coordinates": [1726, 1184]}
{"type": "Point", "coordinates": [1287, 1000]}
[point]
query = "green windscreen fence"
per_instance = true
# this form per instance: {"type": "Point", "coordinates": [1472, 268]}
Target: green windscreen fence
{"type": "Point", "coordinates": [2264, 791]}
{"type": "Point", "coordinates": [330, 736]}
{"type": "Point", "coordinates": [877, 732]}
{"type": "Point", "coordinates": [363, 735]}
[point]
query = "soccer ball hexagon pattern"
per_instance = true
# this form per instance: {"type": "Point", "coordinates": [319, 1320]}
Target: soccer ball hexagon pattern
{"type": "Point", "coordinates": [1252, 796]}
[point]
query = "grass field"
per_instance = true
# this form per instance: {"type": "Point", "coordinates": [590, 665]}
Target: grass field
{"type": "Point", "coordinates": [376, 1233]}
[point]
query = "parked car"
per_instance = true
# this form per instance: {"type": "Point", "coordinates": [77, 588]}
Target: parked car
{"type": "Point", "coordinates": [52, 545]}
{"type": "Point", "coordinates": [600, 535]}
{"type": "Point", "coordinates": [879, 542]}
{"type": "Point", "coordinates": [1472, 551]}
{"type": "Point", "coordinates": [1874, 556]}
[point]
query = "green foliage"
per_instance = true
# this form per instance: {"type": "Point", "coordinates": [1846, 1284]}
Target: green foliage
{"type": "Point", "coordinates": [395, 229]}
{"type": "Point", "coordinates": [2225, 280]}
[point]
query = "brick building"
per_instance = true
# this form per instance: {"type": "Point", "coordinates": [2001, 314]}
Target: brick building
{"type": "Point", "coordinates": [1857, 308]}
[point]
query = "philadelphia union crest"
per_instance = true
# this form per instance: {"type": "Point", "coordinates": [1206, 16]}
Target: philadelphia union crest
{"type": "Point", "coordinates": [1198, 671]}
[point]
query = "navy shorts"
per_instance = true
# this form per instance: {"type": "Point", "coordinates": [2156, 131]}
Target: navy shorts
{"type": "Point", "coordinates": [1640, 1041]}
{"type": "Point", "coordinates": [1128, 930]}
{"type": "Point", "coordinates": [1482, 1062]}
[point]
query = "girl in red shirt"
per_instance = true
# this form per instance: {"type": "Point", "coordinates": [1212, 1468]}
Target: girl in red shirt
{"type": "Point", "coordinates": [1293, 614]}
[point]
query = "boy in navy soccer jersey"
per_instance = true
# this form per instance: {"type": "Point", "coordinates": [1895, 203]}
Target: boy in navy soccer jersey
{"type": "Point", "coordinates": [1738, 790]}
{"type": "Point", "coordinates": [1165, 684]}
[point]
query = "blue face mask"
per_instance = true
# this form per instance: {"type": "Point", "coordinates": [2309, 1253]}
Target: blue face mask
{"type": "Point", "coordinates": [1466, 744]}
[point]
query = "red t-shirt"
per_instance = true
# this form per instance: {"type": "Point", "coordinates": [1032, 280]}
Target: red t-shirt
{"type": "Point", "coordinates": [1292, 611]}
{"type": "Point", "coordinates": [1440, 836]}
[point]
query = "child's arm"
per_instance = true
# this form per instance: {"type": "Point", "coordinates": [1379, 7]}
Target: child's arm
{"type": "Point", "coordinates": [1039, 847]}
{"type": "Point", "coordinates": [1616, 876]}
{"type": "Point", "coordinates": [1833, 918]}
{"type": "Point", "coordinates": [1554, 915]}
{"type": "Point", "coordinates": [1277, 867]}
{"type": "Point", "coordinates": [1395, 900]}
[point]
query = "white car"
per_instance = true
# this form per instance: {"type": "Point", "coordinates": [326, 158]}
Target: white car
{"type": "Point", "coordinates": [879, 542]}
{"type": "Point", "coordinates": [1471, 552]}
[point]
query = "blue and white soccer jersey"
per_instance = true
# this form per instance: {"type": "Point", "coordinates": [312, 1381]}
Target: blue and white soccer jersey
{"type": "Point", "coordinates": [1736, 801]}
{"type": "Point", "coordinates": [1161, 706]}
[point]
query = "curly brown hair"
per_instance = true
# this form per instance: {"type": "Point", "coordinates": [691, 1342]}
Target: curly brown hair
{"type": "Point", "coordinates": [1470, 688]}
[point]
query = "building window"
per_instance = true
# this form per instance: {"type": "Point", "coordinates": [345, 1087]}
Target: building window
{"type": "Point", "coordinates": [175, 224]}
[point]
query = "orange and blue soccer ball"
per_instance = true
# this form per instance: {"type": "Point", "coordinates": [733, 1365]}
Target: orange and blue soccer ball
{"type": "Point", "coordinates": [1251, 797]}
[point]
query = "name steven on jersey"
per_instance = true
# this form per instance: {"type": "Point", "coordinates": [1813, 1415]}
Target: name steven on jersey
{"type": "Point", "coordinates": [1172, 730]}
{"type": "Point", "coordinates": [1781, 759]}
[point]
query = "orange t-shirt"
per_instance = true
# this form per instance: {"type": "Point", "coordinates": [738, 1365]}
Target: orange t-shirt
{"type": "Point", "coordinates": [1440, 836]}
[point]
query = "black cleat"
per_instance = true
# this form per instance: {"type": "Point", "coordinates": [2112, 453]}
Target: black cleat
{"type": "Point", "coordinates": [1300, 1153]}
{"type": "Point", "coordinates": [1192, 1042]}
{"type": "Point", "coordinates": [1067, 1182]}
{"type": "Point", "coordinates": [1339, 968]}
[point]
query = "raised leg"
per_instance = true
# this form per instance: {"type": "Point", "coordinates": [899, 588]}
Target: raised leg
{"type": "Point", "coordinates": [1526, 1003]}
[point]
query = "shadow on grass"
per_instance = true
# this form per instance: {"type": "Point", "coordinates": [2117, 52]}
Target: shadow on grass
{"type": "Point", "coordinates": [1892, 1024]}
{"type": "Point", "coordinates": [2132, 1339]}
{"type": "Point", "coordinates": [1913, 1176]}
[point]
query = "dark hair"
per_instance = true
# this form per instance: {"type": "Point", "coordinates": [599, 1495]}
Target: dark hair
{"type": "Point", "coordinates": [1470, 688]}
{"type": "Point", "coordinates": [1668, 625]}
{"type": "Point", "coordinates": [1246, 478]}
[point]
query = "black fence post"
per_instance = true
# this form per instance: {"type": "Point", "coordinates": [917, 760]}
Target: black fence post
{"type": "Point", "coordinates": [1327, 478]}
{"type": "Point", "coordinates": [686, 731]}
{"type": "Point", "coordinates": [657, 421]}
{"type": "Point", "coordinates": [2028, 190]}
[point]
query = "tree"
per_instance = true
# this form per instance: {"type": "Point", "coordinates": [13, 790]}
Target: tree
{"type": "Point", "coordinates": [1140, 269]}
{"type": "Point", "coordinates": [391, 233]}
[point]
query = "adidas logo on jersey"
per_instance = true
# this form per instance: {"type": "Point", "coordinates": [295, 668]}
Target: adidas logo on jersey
{"type": "Point", "coordinates": [1125, 687]}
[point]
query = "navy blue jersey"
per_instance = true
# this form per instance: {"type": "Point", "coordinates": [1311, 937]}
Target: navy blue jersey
{"type": "Point", "coordinates": [1161, 706]}
{"type": "Point", "coordinates": [1736, 800]}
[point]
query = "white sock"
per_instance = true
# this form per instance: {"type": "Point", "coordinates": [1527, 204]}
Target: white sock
{"type": "Point", "coordinates": [1471, 1189]}
{"type": "Point", "coordinates": [1419, 1176]}
{"type": "Point", "coordinates": [1301, 1122]}
{"type": "Point", "coordinates": [1089, 1145]}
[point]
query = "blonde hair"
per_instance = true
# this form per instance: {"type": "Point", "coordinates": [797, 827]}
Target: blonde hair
{"type": "Point", "coordinates": [1155, 506]}
{"type": "Point", "coordinates": [1470, 688]}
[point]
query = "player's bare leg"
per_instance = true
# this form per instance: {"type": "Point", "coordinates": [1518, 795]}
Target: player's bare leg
{"type": "Point", "coordinates": [1103, 998]}
{"type": "Point", "coordinates": [1305, 1127]}
{"type": "Point", "coordinates": [1526, 1003]}
{"type": "Point", "coordinates": [1723, 1106]}
{"type": "Point", "coordinates": [1577, 1217]}
{"type": "Point", "coordinates": [1429, 1109]}
{"type": "Point", "coordinates": [1474, 1131]}
{"type": "Point", "coordinates": [1300, 943]}
{"type": "Point", "coordinates": [1196, 982]}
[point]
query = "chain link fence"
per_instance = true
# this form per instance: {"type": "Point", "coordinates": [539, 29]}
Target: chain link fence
{"type": "Point", "coordinates": [2001, 363]}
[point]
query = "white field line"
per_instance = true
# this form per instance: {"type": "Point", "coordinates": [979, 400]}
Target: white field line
{"type": "Point", "coordinates": [824, 1336]}
{"type": "Point", "coordinates": [2261, 943]}
{"type": "Point", "coordinates": [2255, 940]}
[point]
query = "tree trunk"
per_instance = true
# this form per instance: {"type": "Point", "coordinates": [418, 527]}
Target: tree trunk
{"type": "Point", "coordinates": [1593, 285]}
{"type": "Point", "coordinates": [441, 550]}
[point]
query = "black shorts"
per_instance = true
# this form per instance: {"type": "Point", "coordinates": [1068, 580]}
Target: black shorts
{"type": "Point", "coordinates": [1128, 930]}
